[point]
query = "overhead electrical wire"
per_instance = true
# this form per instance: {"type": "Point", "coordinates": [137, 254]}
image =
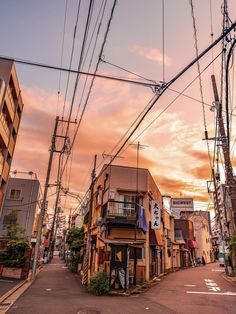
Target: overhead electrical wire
{"type": "Point", "coordinates": [92, 82]}
{"type": "Point", "coordinates": [167, 85]}
{"type": "Point", "coordinates": [62, 54]}
{"type": "Point", "coordinates": [163, 40]}
{"type": "Point", "coordinates": [200, 79]}
{"type": "Point", "coordinates": [71, 56]}
{"type": "Point", "coordinates": [93, 51]}
{"type": "Point", "coordinates": [179, 94]}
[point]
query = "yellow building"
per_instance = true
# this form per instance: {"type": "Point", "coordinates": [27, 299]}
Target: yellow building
{"type": "Point", "coordinates": [123, 242]}
{"type": "Point", "coordinates": [11, 107]}
{"type": "Point", "coordinates": [202, 235]}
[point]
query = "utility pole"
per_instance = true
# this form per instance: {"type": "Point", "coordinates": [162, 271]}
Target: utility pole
{"type": "Point", "coordinates": [230, 182]}
{"type": "Point", "coordinates": [54, 221]}
{"type": "Point", "coordinates": [139, 146]}
{"type": "Point", "coordinates": [87, 259]}
{"type": "Point", "coordinates": [44, 201]}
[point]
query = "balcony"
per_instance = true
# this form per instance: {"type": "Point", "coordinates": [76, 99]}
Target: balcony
{"type": "Point", "coordinates": [11, 146]}
{"type": "Point", "coordinates": [4, 129]}
{"type": "Point", "coordinates": [5, 172]}
{"type": "Point", "coordinates": [10, 103]}
{"type": "Point", "coordinates": [1, 163]}
{"type": "Point", "coordinates": [16, 122]}
{"type": "Point", "coordinates": [119, 212]}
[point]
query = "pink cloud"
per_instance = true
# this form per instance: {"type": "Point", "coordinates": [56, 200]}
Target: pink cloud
{"type": "Point", "coordinates": [152, 54]}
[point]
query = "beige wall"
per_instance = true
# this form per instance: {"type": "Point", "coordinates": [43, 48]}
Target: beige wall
{"type": "Point", "coordinates": [202, 236]}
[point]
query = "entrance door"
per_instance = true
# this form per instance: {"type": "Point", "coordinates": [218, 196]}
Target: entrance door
{"type": "Point", "coordinates": [153, 259]}
{"type": "Point", "coordinates": [118, 269]}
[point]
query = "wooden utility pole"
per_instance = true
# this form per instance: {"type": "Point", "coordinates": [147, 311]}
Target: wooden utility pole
{"type": "Point", "coordinates": [87, 258]}
{"type": "Point", "coordinates": [230, 181]}
{"type": "Point", "coordinates": [44, 201]}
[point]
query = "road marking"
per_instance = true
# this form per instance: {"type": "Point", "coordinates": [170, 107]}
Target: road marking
{"type": "Point", "coordinates": [212, 293]}
{"type": "Point", "coordinates": [48, 289]}
{"type": "Point", "coordinates": [5, 280]}
{"type": "Point", "coordinates": [189, 285]}
{"type": "Point", "coordinates": [221, 270]}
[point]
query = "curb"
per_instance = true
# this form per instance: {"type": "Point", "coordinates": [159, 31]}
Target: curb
{"type": "Point", "coordinates": [228, 279]}
{"type": "Point", "coordinates": [10, 292]}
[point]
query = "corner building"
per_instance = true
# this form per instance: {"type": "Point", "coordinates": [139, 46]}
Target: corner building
{"type": "Point", "coordinates": [123, 243]}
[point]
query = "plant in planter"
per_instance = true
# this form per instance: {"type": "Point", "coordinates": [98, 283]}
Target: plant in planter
{"type": "Point", "coordinates": [13, 258]}
{"type": "Point", "coordinates": [75, 240]}
{"type": "Point", "coordinates": [232, 251]}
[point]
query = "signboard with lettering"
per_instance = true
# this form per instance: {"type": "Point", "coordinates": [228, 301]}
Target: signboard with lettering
{"type": "Point", "coordinates": [155, 215]}
{"type": "Point", "coordinates": [178, 205]}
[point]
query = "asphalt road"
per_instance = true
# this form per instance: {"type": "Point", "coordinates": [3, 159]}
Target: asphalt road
{"type": "Point", "coordinates": [193, 290]}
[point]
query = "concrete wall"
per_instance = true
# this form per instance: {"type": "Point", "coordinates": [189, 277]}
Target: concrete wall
{"type": "Point", "coordinates": [26, 204]}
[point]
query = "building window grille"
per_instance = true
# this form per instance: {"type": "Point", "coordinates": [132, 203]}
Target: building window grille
{"type": "Point", "coordinates": [15, 194]}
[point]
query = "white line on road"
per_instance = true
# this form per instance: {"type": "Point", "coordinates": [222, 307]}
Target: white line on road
{"type": "Point", "coordinates": [217, 293]}
{"type": "Point", "coordinates": [189, 285]}
{"type": "Point", "coordinates": [221, 270]}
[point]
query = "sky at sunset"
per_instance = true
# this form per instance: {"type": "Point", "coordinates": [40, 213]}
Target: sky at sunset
{"type": "Point", "coordinates": [175, 154]}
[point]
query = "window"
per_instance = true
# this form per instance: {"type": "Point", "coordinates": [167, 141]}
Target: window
{"type": "Point", "coordinates": [15, 194]}
{"type": "Point", "coordinates": [139, 253]}
{"type": "Point", "coordinates": [128, 204]}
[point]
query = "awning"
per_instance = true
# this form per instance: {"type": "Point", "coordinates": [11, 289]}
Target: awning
{"type": "Point", "coordinates": [155, 237]}
{"type": "Point", "coordinates": [122, 241]}
{"type": "Point", "coordinates": [180, 241]}
{"type": "Point", "coordinates": [192, 244]}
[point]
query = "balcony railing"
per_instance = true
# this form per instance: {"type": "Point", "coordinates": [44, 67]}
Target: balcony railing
{"type": "Point", "coordinates": [120, 209]}
{"type": "Point", "coordinates": [11, 101]}
{"type": "Point", "coordinates": [4, 124]}
{"type": "Point", "coordinates": [1, 162]}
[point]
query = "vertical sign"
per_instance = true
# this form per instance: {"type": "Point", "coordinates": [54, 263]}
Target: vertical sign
{"type": "Point", "coordinates": [155, 215]}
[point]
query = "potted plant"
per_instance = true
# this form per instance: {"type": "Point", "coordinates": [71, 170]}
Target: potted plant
{"type": "Point", "coordinates": [13, 258]}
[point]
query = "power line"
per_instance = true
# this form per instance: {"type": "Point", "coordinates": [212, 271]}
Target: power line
{"type": "Point", "coordinates": [58, 68]}
{"type": "Point", "coordinates": [200, 79]}
{"type": "Point", "coordinates": [167, 85]}
{"type": "Point", "coordinates": [92, 82]}
{"type": "Point", "coordinates": [62, 52]}
{"type": "Point", "coordinates": [179, 94]}
{"type": "Point", "coordinates": [71, 56]}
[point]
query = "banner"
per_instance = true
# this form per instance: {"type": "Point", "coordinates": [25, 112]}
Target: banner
{"type": "Point", "coordinates": [155, 215]}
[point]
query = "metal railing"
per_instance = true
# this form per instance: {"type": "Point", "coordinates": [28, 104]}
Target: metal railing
{"type": "Point", "coordinates": [120, 209]}
{"type": "Point", "coordinates": [12, 103]}
{"type": "Point", "coordinates": [4, 124]}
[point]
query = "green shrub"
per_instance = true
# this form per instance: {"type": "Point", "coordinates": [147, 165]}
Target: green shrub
{"type": "Point", "coordinates": [14, 255]}
{"type": "Point", "coordinates": [100, 284]}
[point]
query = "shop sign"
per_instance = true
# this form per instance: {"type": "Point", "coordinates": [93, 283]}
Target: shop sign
{"type": "Point", "coordinates": [155, 215]}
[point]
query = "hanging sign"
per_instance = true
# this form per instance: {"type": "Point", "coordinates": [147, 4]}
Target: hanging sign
{"type": "Point", "coordinates": [155, 215]}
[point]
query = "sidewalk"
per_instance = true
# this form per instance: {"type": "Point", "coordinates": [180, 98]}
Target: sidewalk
{"type": "Point", "coordinates": [55, 290]}
{"type": "Point", "coordinates": [230, 279]}
{"type": "Point", "coordinates": [7, 285]}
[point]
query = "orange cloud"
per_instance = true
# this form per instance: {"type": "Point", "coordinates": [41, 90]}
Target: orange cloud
{"type": "Point", "coordinates": [202, 172]}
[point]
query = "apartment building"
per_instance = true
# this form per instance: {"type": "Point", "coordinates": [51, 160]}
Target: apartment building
{"type": "Point", "coordinates": [202, 235]}
{"type": "Point", "coordinates": [11, 106]}
{"type": "Point", "coordinates": [21, 204]}
{"type": "Point", "coordinates": [125, 244]}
